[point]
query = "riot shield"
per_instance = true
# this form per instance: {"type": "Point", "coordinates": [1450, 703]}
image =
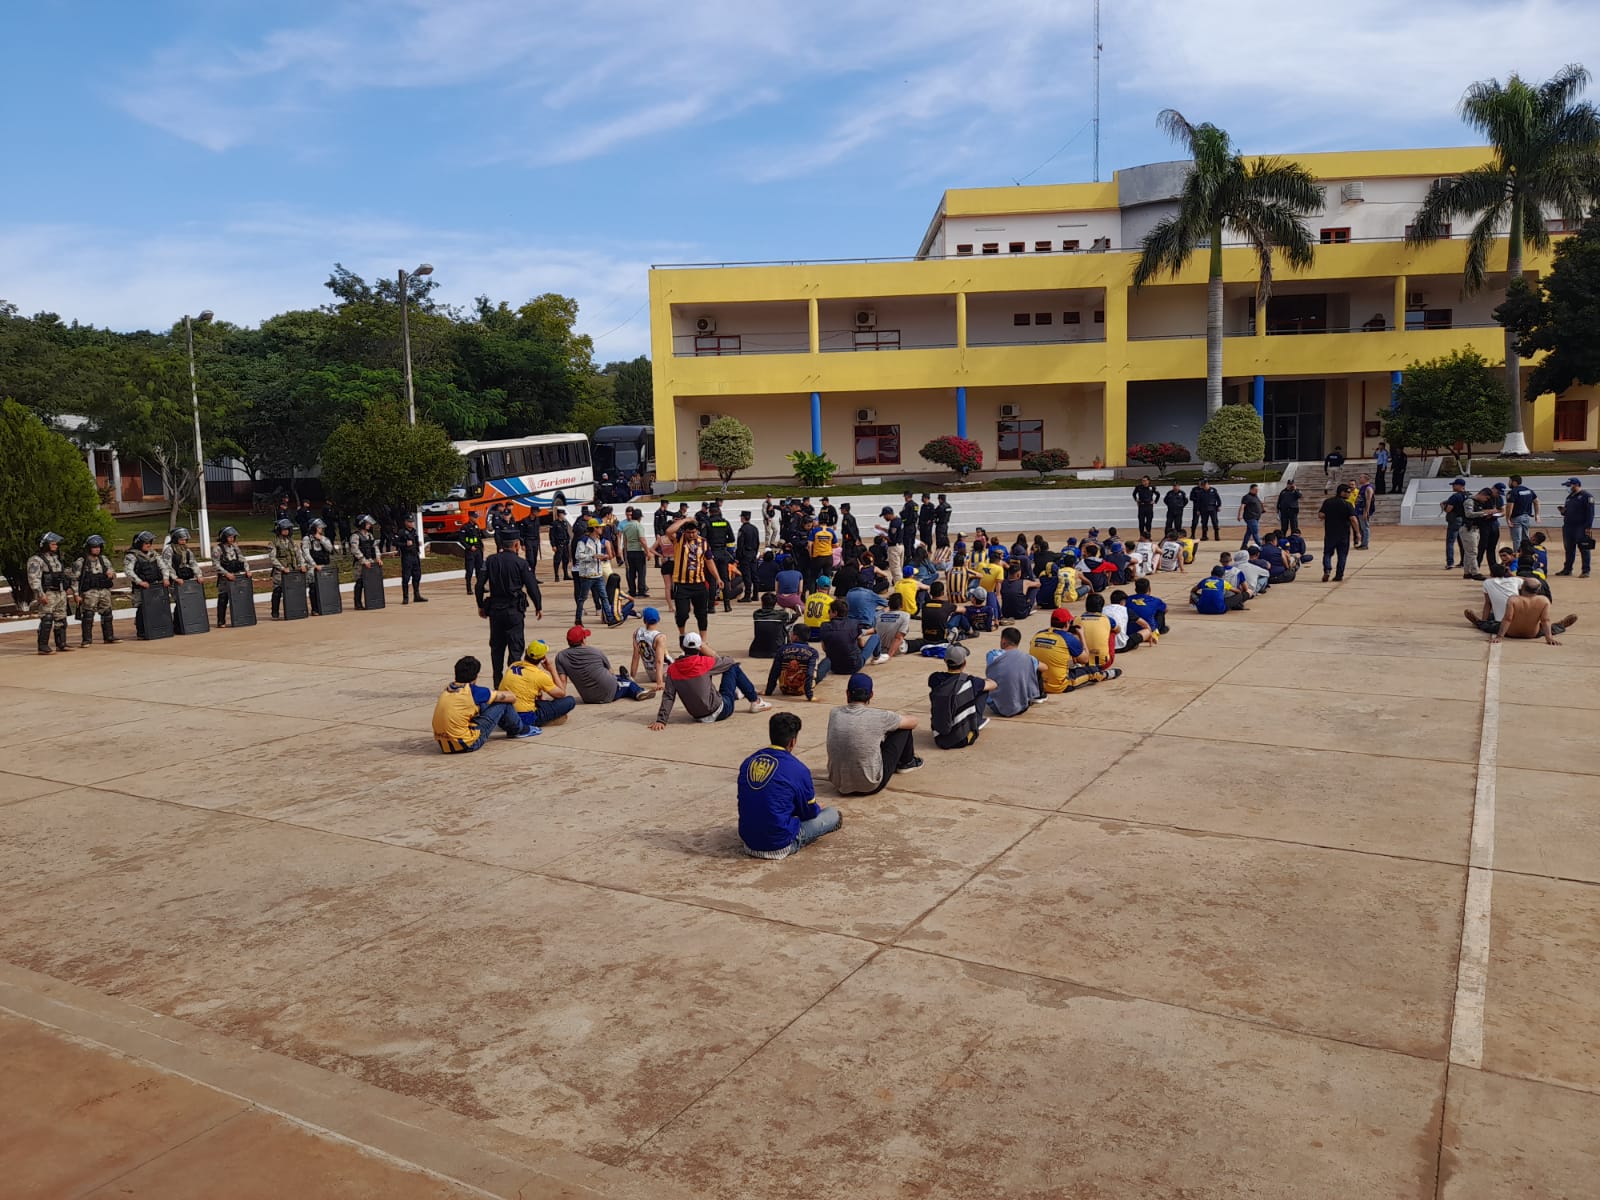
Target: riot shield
{"type": "Point", "coordinates": [241, 601]}
{"type": "Point", "coordinates": [326, 581]}
{"type": "Point", "coordinates": [295, 607]}
{"type": "Point", "coordinates": [372, 581]}
{"type": "Point", "coordinates": [155, 610]}
{"type": "Point", "coordinates": [190, 613]}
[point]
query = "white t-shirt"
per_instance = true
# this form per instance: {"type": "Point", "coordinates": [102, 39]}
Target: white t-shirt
{"type": "Point", "coordinates": [1499, 591]}
{"type": "Point", "coordinates": [647, 638]}
{"type": "Point", "coordinates": [1171, 556]}
{"type": "Point", "coordinates": [1144, 553]}
{"type": "Point", "coordinates": [1119, 614]}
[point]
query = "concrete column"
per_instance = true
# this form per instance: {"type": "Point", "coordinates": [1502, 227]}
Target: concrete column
{"type": "Point", "coordinates": [961, 412]}
{"type": "Point", "coordinates": [1258, 396]}
{"type": "Point", "coordinates": [961, 322]}
{"type": "Point", "coordinates": [814, 326]}
{"type": "Point", "coordinates": [116, 481]}
{"type": "Point", "coordinates": [816, 417]}
{"type": "Point", "coordinates": [88, 457]}
{"type": "Point", "coordinates": [1394, 388]}
{"type": "Point", "coordinates": [1400, 303]}
{"type": "Point", "coordinates": [1114, 419]}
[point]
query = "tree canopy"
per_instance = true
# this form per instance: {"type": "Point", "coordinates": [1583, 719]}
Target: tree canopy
{"type": "Point", "coordinates": [728, 445]}
{"type": "Point", "coordinates": [1561, 317]}
{"type": "Point", "coordinates": [1460, 398]}
{"type": "Point", "coordinates": [45, 487]}
{"type": "Point", "coordinates": [1232, 436]}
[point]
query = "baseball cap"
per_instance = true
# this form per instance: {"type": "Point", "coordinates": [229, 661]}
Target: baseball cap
{"type": "Point", "coordinates": [907, 572]}
{"type": "Point", "coordinates": [1573, 482]}
{"type": "Point", "coordinates": [887, 511]}
{"type": "Point", "coordinates": [692, 641]}
{"type": "Point", "coordinates": [576, 634]}
{"type": "Point", "coordinates": [1062, 616]}
{"type": "Point", "coordinates": [1457, 480]}
{"type": "Point", "coordinates": [955, 656]}
{"type": "Point", "coordinates": [824, 581]}
{"type": "Point", "coordinates": [860, 682]}
{"type": "Point", "coordinates": [651, 616]}
{"type": "Point", "coordinates": [535, 651]}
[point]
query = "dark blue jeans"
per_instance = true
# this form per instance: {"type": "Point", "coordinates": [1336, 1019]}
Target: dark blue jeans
{"type": "Point", "coordinates": [589, 589]}
{"type": "Point", "coordinates": [545, 711]}
{"type": "Point", "coordinates": [735, 683]}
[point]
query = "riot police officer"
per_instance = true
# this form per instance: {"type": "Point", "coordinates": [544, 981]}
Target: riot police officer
{"type": "Point", "coordinates": [317, 548]}
{"type": "Point", "coordinates": [181, 565]}
{"type": "Point", "coordinates": [472, 548]}
{"type": "Point", "coordinates": [364, 550]}
{"type": "Point", "coordinates": [47, 576]}
{"type": "Point", "coordinates": [287, 557]}
{"type": "Point", "coordinates": [409, 542]}
{"type": "Point", "coordinates": [145, 568]}
{"type": "Point", "coordinates": [505, 587]}
{"type": "Point", "coordinates": [228, 557]}
{"type": "Point", "coordinates": [96, 577]}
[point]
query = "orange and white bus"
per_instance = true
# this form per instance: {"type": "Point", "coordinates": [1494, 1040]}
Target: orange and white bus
{"type": "Point", "coordinates": [532, 474]}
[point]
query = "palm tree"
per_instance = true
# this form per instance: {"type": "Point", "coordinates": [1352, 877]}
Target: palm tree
{"type": "Point", "coordinates": [1543, 145]}
{"type": "Point", "coordinates": [1261, 202]}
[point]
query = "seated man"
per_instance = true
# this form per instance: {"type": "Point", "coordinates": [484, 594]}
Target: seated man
{"type": "Point", "coordinates": [465, 712]}
{"type": "Point", "coordinates": [1015, 676]}
{"type": "Point", "coordinates": [1063, 662]}
{"type": "Point", "coordinates": [797, 667]}
{"type": "Point", "coordinates": [1240, 576]}
{"type": "Point", "coordinates": [864, 605]}
{"type": "Point", "coordinates": [1500, 587]}
{"type": "Point", "coordinates": [650, 653]}
{"type": "Point", "coordinates": [1171, 555]}
{"type": "Point", "coordinates": [1280, 567]}
{"type": "Point", "coordinates": [893, 626]}
{"type": "Point", "coordinates": [957, 702]}
{"type": "Point", "coordinates": [939, 617]}
{"type": "Point", "coordinates": [911, 587]}
{"type": "Point", "coordinates": [1017, 595]}
{"type": "Point", "coordinates": [540, 699]}
{"type": "Point", "coordinates": [1528, 616]}
{"type": "Point", "coordinates": [693, 679]}
{"type": "Point", "coordinates": [848, 646]}
{"type": "Point", "coordinates": [767, 571]}
{"type": "Point", "coordinates": [788, 584]}
{"type": "Point", "coordinates": [1097, 631]}
{"type": "Point", "coordinates": [866, 745]}
{"type": "Point", "coordinates": [1211, 595]}
{"type": "Point", "coordinates": [1295, 547]}
{"type": "Point", "coordinates": [817, 607]}
{"type": "Point", "coordinates": [1149, 608]}
{"type": "Point", "coordinates": [589, 672]}
{"type": "Point", "coordinates": [1133, 631]}
{"type": "Point", "coordinates": [771, 627]}
{"type": "Point", "coordinates": [778, 811]}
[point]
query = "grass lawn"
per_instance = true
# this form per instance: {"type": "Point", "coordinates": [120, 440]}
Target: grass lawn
{"type": "Point", "coordinates": [1533, 464]}
{"type": "Point", "coordinates": [257, 530]}
{"type": "Point", "coordinates": [1023, 482]}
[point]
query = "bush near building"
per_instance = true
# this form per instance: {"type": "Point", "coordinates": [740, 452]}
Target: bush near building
{"type": "Point", "coordinates": [727, 446]}
{"type": "Point", "coordinates": [961, 455]}
{"type": "Point", "coordinates": [813, 470]}
{"type": "Point", "coordinates": [1045, 461]}
{"type": "Point", "coordinates": [1232, 436]}
{"type": "Point", "coordinates": [1159, 455]}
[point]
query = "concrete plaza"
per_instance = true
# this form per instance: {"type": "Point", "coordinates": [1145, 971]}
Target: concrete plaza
{"type": "Point", "coordinates": [1305, 905]}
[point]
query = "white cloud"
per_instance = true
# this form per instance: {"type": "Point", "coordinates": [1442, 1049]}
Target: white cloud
{"type": "Point", "coordinates": [261, 262]}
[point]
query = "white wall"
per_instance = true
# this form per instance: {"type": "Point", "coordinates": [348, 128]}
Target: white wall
{"type": "Point", "coordinates": [923, 321]}
{"type": "Point", "coordinates": [1054, 228]}
{"type": "Point", "coordinates": [773, 327]}
{"type": "Point", "coordinates": [991, 317]}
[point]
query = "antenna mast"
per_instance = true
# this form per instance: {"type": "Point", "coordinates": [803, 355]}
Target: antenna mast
{"type": "Point", "coordinates": [1097, 91]}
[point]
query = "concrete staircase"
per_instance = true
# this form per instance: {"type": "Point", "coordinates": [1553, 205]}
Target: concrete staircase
{"type": "Point", "coordinates": [1313, 482]}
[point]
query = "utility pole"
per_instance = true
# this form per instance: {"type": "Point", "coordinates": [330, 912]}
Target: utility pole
{"type": "Point", "coordinates": [1097, 91]}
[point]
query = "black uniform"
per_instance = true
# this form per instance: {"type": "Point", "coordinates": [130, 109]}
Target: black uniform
{"type": "Point", "coordinates": [720, 536]}
{"type": "Point", "coordinates": [1207, 503]}
{"type": "Point", "coordinates": [504, 588]}
{"type": "Point", "coordinates": [908, 527]}
{"type": "Point", "coordinates": [1176, 500]}
{"type": "Point", "coordinates": [941, 523]}
{"type": "Point", "coordinates": [528, 531]}
{"type": "Point", "coordinates": [472, 550]}
{"type": "Point", "coordinates": [748, 550]}
{"type": "Point", "coordinates": [828, 515]}
{"type": "Point", "coordinates": [1145, 497]}
{"type": "Point", "coordinates": [927, 516]}
{"type": "Point", "coordinates": [560, 548]}
{"type": "Point", "coordinates": [409, 543]}
{"type": "Point", "coordinates": [850, 531]}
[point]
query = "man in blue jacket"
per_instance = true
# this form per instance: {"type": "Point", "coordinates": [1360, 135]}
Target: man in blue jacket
{"type": "Point", "coordinates": [1577, 526]}
{"type": "Point", "coordinates": [778, 810]}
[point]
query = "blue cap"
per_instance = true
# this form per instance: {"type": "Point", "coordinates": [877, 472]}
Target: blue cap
{"type": "Point", "coordinates": [824, 581]}
{"type": "Point", "coordinates": [1573, 482]}
{"type": "Point", "coordinates": [651, 616]}
{"type": "Point", "coordinates": [1457, 480]}
{"type": "Point", "coordinates": [860, 682]}
{"type": "Point", "coordinates": [907, 572]}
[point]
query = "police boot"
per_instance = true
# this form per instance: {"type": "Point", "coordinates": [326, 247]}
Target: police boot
{"type": "Point", "coordinates": [107, 634]}
{"type": "Point", "coordinates": [87, 621]}
{"type": "Point", "coordinates": [44, 634]}
{"type": "Point", "coordinates": [61, 635]}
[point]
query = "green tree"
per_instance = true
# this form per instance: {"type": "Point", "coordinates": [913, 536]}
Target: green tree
{"type": "Point", "coordinates": [1560, 317]}
{"type": "Point", "coordinates": [45, 487]}
{"type": "Point", "coordinates": [380, 462]}
{"type": "Point", "coordinates": [634, 388]}
{"type": "Point", "coordinates": [1444, 402]}
{"type": "Point", "coordinates": [592, 413]}
{"type": "Point", "coordinates": [1262, 202]}
{"type": "Point", "coordinates": [729, 446]}
{"type": "Point", "coordinates": [1543, 145]}
{"type": "Point", "coordinates": [1232, 436]}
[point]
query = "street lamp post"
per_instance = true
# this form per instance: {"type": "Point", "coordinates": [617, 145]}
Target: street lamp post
{"type": "Point", "coordinates": [199, 450]}
{"type": "Point", "coordinates": [411, 391]}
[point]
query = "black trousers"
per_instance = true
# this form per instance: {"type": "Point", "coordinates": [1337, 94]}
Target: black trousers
{"type": "Point", "coordinates": [223, 600]}
{"type": "Point", "coordinates": [1174, 521]}
{"type": "Point", "coordinates": [1289, 520]}
{"type": "Point", "coordinates": [747, 572]}
{"type": "Point", "coordinates": [816, 567]}
{"type": "Point", "coordinates": [410, 575]}
{"type": "Point", "coordinates": [692, 596]}
{"type": "Point", "coordinates": [1332, 551]}
{"type": "Point", "coordinates": [474, 565]}
{"type": "Point", "coordinates": [898, 752]}
{"type": "Point", "coordinates": [1147, 519]}
{"type": "Point", "coordinates": [636, 580]}
{"type": "Point", "coordinates": [506, 638]}
{"type": "Point", "coordinates": [1488, 543]}
{"type": "Point", "coordinates": [1571, 536]}
{"type": "Point", "coordinates": [561, 560]}
{"type": "Point", "coordinates": [1201, 520]}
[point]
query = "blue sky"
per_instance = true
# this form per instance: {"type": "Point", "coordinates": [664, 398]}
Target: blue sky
{"type": "Point", "coordinates": [172, 155]}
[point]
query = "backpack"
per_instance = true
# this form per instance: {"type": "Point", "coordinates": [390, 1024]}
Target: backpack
{"type": "Point", "coordinates": [792, 677]}
{"type": "Point", "coordinates": [956, 703]}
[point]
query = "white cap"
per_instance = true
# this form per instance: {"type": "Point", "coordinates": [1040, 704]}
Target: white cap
{"type": "Point", "coordinates": [692, 641]}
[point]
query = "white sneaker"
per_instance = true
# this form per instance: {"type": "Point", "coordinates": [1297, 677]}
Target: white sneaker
{"type": "Point", "coordinates": [759, 706]}
{"type": "Point", "coordinates": [984, 724]}
{"type": "Point", "coordinates": [880, 659]}
{"type": "Point", "coordinates": [709, 718]}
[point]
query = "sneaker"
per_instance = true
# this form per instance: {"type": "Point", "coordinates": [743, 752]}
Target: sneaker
{"type": "Point", "coordinates": [880, 659]}
{"type": "Point", "coordinates": [622, 673]}
{"type": "Point", "coordinates": [759, 706]}
{"type": "Point", "coordinates": [1113, 672]}
{"type": "Point", "coordinates": [709, 718]}
{"type": "Point", "coordinates": [649, 693]}
{"type": "Point", "coordinates": [528, 731]}
{"type": "Point", "coordinates": [914, 765]}
{"type": "Point", "coordinates": [983, 724]}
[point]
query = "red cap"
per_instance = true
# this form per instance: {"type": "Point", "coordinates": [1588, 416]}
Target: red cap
{"type": "Point", "coordinates": [576, 634]}
{"type": "Point", "coordinates": [1061, 616]}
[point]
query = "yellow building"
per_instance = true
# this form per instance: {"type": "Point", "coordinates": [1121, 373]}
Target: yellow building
{"type": "Point", "coordinates": [1015, 324]}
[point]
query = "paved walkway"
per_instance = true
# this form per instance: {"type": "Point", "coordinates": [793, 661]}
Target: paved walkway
{"type": "Point", "coordinates": [1306, 905]}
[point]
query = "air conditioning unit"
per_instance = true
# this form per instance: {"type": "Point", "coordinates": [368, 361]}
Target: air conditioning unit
{"type": "Point", "coordinates": [1414, 300]}
{"type": "Point", "coordinates": [706, 419]}
{"type": "Point", "coordinates": [1010, 412]}
{"type": "Point", "coordinates": [705, 324]}
{"type": "Point", "coordinates": [866, 416]}
{"type": "Point", "coordinates": [1353, 192]}
{"type": "Point", "coordinates": [866, 318]}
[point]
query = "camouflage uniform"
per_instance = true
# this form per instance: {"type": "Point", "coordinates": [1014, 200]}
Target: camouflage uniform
{"type": "Point", "coordinates": [180, 561]}
{"type": "Point", "coordinates": [286, 556]}
{"type": "Point", "coordinates": [228, 557]}
{"type": "Point", "coordinates": [95, 576]}
{"type": "Point", "coordinates": [318, 551]}
{"type": "Point", "coordinates": [47, 576]}
{"type": "Point", "coordinates": [146, 566]}
{"type": "Point", "coordinates": [364, 550]}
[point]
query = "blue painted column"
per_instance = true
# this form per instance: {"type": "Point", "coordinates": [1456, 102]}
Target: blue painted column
{"type": "Point", "coordinates": [1258, 396]}
{"type": "Point", "coordinates": [961, 412]}
{"type": "Point", "coordinates": [816, 422]}
{"type": "Point", "coordinates": [1394, 388]}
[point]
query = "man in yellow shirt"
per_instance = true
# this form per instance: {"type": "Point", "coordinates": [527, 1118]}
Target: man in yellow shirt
{"type": "Point", "coordinates": [541, 699]}
{"type": "Point", "coordinates": [909, 590]}
{"type": "Point", "coordinates": [1065, 665]}
{"type": "Point", "coordinates": [818, 606]}
{"type": "Point", "coordinates": [466, 713]}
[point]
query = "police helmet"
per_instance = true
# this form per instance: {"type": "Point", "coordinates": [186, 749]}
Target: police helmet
{"type": "Point", "coordinates": [144, 538]}
{"type": "Point", "coordinates": [228, 531]}
{"type": "Point", "coordinates": [179, 534]}
{"type": "Point", "coordinates": [363, 521]}
{"type": "Point", "coordinates": [283, 525]}
{"type": "Point", "coordinates": [319, 523]}
{"type": "Point", "coordinates": [48, 538]}
{"type": "Point", "coordinates": [94, 539]}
